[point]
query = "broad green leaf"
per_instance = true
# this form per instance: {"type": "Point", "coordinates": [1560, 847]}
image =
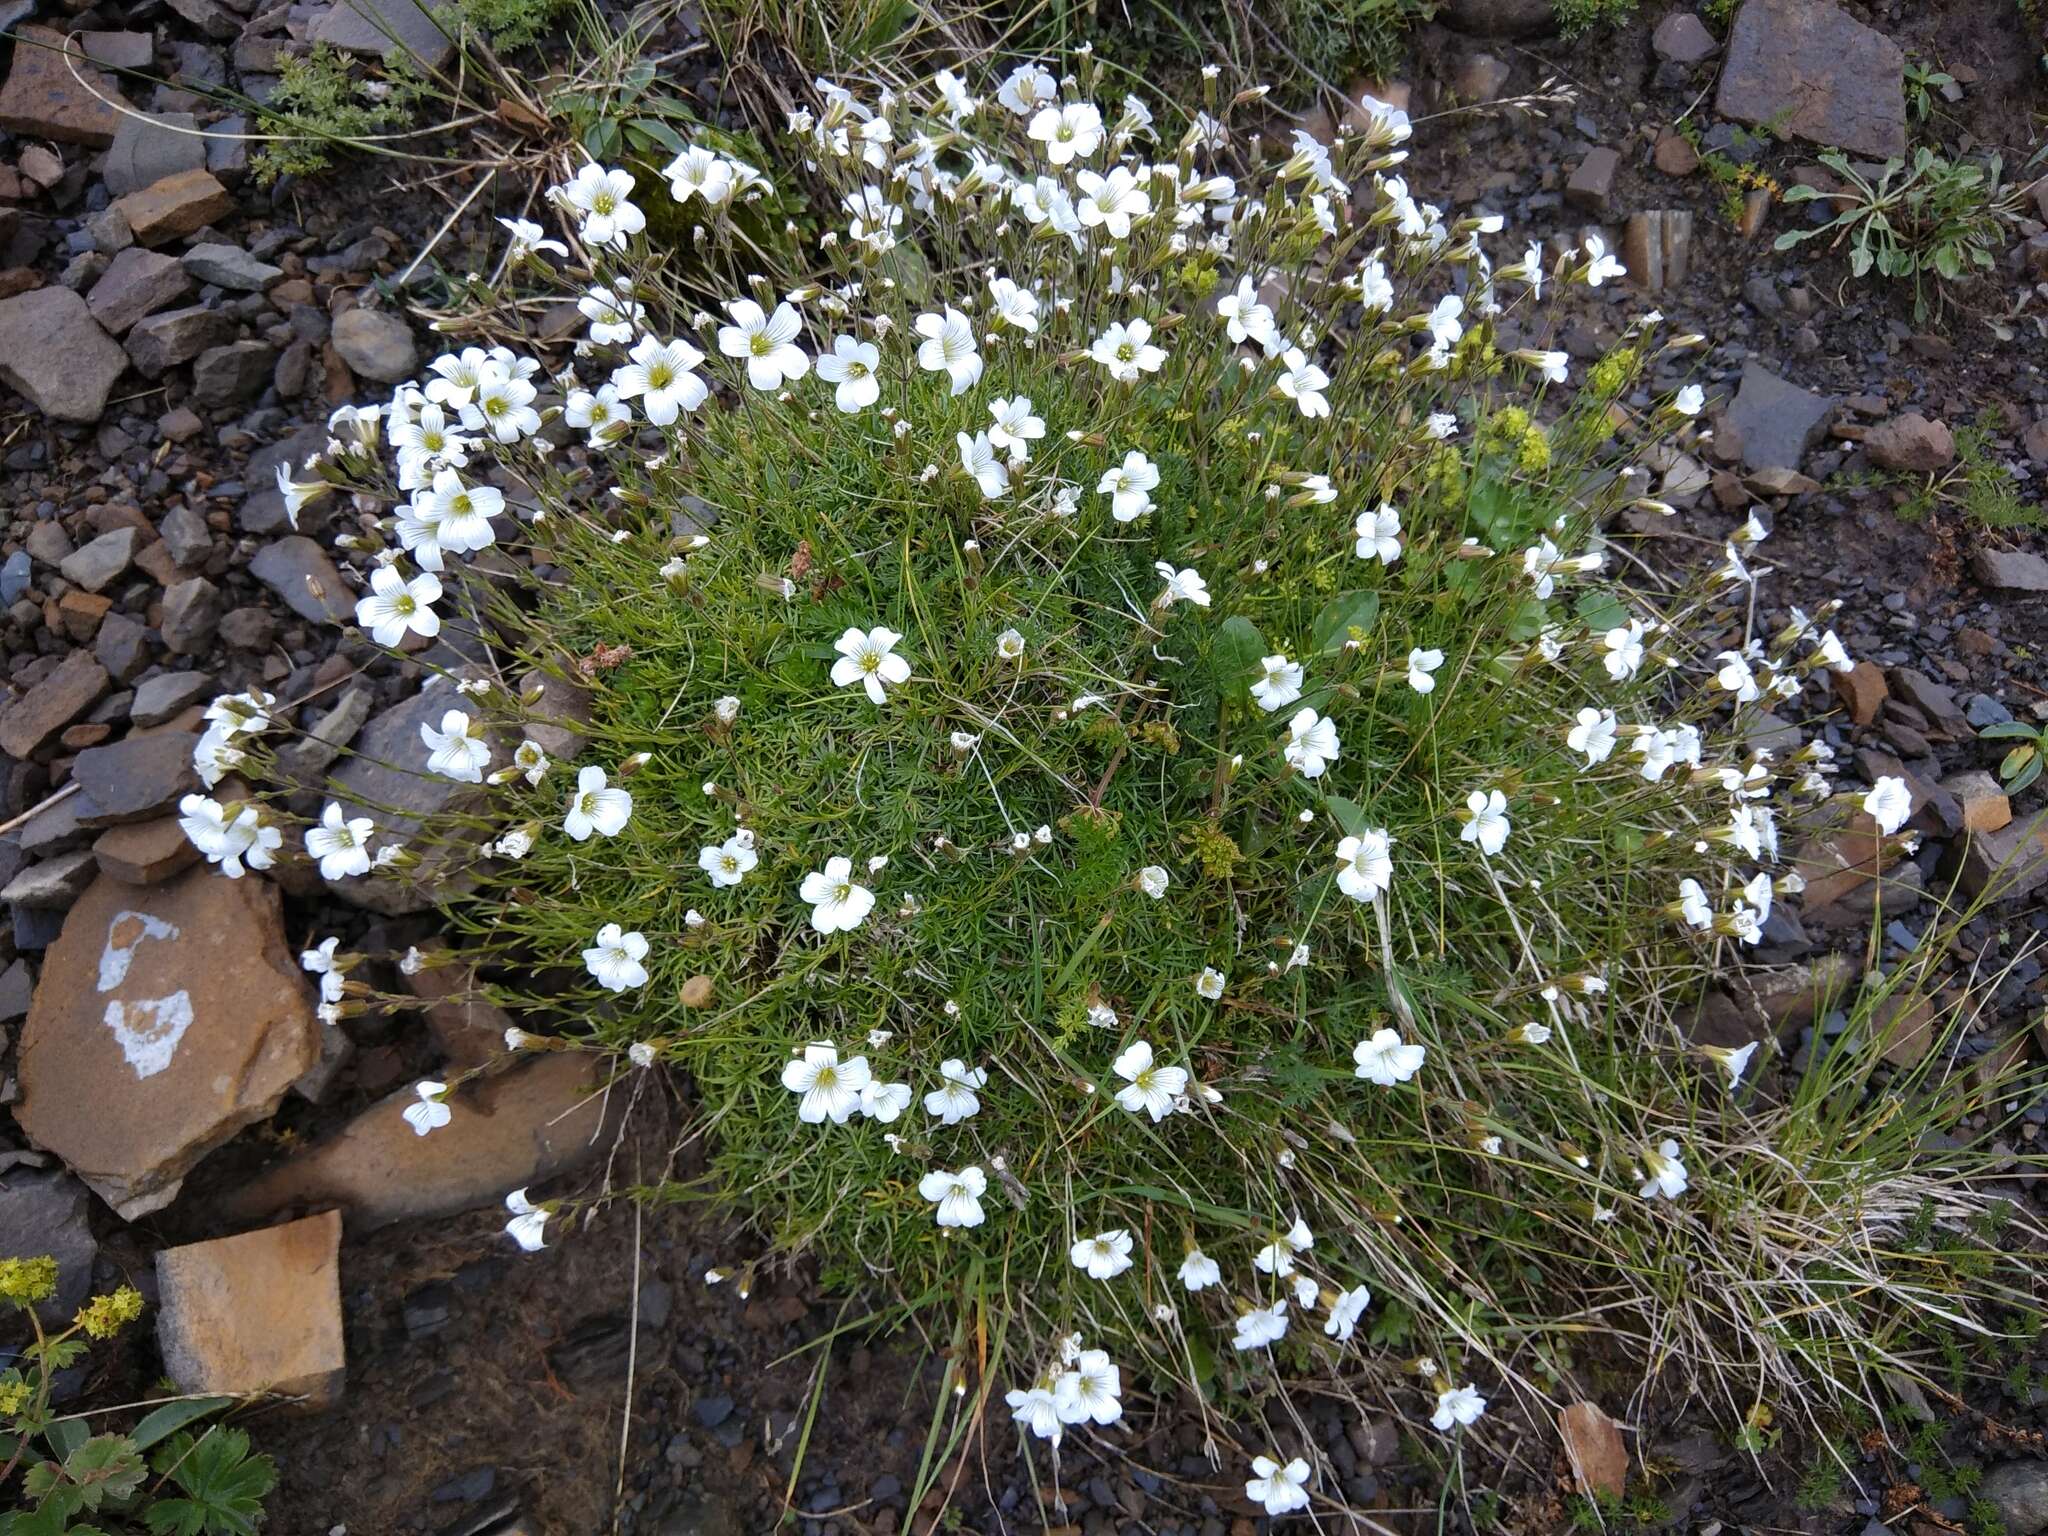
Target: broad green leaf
{"type": "Point", "coordinates": [66, 1435]}
{"type": "Point", "coordinates": [2008, 730]}
{"type": "Point", "coordinates": [1341, 615]}
{"type": "Point", "coordinates": [1234, 656]}
{"type": "Point", "coordinates": [1601, 611]}
{"type": "Point", "coordinates": [1348, 813]}
{"type": "Point", "coordinates": [107, 1468]}
{"type": "Point", "coordinates": [173, 1417]}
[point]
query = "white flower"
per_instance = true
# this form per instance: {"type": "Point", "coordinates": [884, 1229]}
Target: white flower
{"type": "Point", "coordinates": [1277, 1257]}
{"type": "Point", "coordinates": [1365, 866]}
{"type": "Point", "coordinates": [1015, 428]}
{"type": "Point", "coordinates": [1303, 383]}
{"type": "Point", "coordinates": [1198, 1271]}
{"type": "Point", "coordinates": [322, 962]}
{"type": "Point", "coordinates": [601, 196]}
{"type": "Point", "coordinates": [1182, 586]}
{"type": "Point", "coordinates": [528, 1221]}
{"type": "Point", "coordinates": [1690, 400]}
{"type": "Point", "coordinates": [837, 904]}
{"type": "Point", "coordinates": [955, 1098]}
{"type": "Point", "coordinates": [949, 348]}
{"type": "Point", "coordinates": [1694, 906]}
{"type": "Point", "coordinates": [1457, 1405]}
{"type": "Point", "coordinates": [1387, 1059]}
{"type": "Point", "coordinates": [340, 843]}
{"type": "Point", "coordinates": [1070, 132]}
{"type": "Point", "coordinates": [1422, 664]}
{"type": "Point", "coordinates": [1129, 486]}
{"type": "Point", "coordinates": [1111, 202]}
{"type": "Point", "coordinates": [1028, 87]}
{"type": "Point", "coordinates": [1593, 735]}
{"type": "Point", "coordinates": [1282, 1490]}
{"type": "Point", "coordinates": [1246, 319]}
{"type": "Point", "coordinates": [727, 863]}
{"type": "Point", "coordinates": [659, 376]}
{"type": "Point", "coordinates": [1735, 676]}
{"type": "Point", "coordinates": [600, 416]}
{"type": "Point", "coordinates": [1126, 350]}
{"type": "Point", "coordinates": [850, 366]}
{"type": "Point", "coordinates": [1486, 821]}
{"type": "Point", "coordinates": [614, 957]}
{"type": "Point", "coordinates": [978, 460]}
{"type": "Point", "coordinates": [699, 172]}
{"type": "Point", "coordinates": [1261, 1326]}
{"type": "Point", "coordinates": [1346, 1310]}
{"type": "Point", "coordinates": [1209, 984]}
{"type": "Point", "coordinates": [502, 404]}
{"type": "Point", "coordinates": [458, 749]}
{"type": "Point", "coordinates": [427, 1112]}
{"type": "Point", "coordinates": [1279, 683]}
{"type": "Point", "coordinates": [1038, 1411]}
{"type": "Point", "coordinates": [1014, 306]}
{"type": "Point", "coordinates": [1105, 1255]}
{"type": "Point", "coordinates": [1311, 744]}
{"type": "Point", "coordinates": [827, 1088]}
{"type": "Point", "coordinates": [1666, 1171]}
{"type": "Point", "coordinates": [396, 607]}
{"type": "Point", "coordinates": [1149, 1089]}
{"type": "Point", "coordinates": [1153, 881]}
{"type": "Point", "coordinates": [868, 657]}
{"type": "Point", "coordinates": [596, 806]}
{"type": "Point", "coordinates": [767, 342]}
{"type": "Point", "coordinates": [1091, 1389]}
{"type": "Point", "coordinates": [1889, 803]}
{"type": "Point", "coordinates": [1379, 535]}
{"type": "Point", "coordinates": [957, 1195]}
{"type": "Point", "coordinates": [613, 316]}
{"type": "Point", "coordinates": [1010, 647]}
{"type": "Point", "coordinates": [1601, 266]}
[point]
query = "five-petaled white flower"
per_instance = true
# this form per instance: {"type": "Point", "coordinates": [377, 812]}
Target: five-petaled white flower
{"type": "Point", "coordinates": [948, 347]}
{"type": "Point", "coordinates": [1015, 428]}
{"type": "Point", "coordinates": [1601, 266]}
{"type": "Point", "coordinates": [596, 806]}
{"type": "Point", "coordinates": [838, 905]}
{"type": "Point", "coordinates": [1594, 735]}
{"type": "Point", "coordinates": [1422, 666]}
{"type": "Point", "coordinates": [1281, 1489]}
{"type": "Point", "coordinates": [1365, 864]}
{"type": "Point", "coordinates": [1387, 1059]}
{"type": "Point", "coordinates": [868, 657]}
{"type": "Point", "coordinates": [1311, 744]}
{"type": "Point", "coordinates": [1379, 535]}
{"type": "Point", "coordinates": [1664, 1171]}
{"type": "Point", "coordinates": [528, 1222]}
{"type": "Point", "coordinates": [659, 376]}
{"type": "Point", "coordinates": [1126, 350]}
{"type": "Point", "coordinates": [955, 1098]}
{"type": "Point", "coordinates": [1105, 1255]}
{"type": "Point", "coordinates": [1261, 1326]}
{"type": "Point", "coordinates": [1279, 683]}
{"type": "Point", "coordinates": [341, 843]}
{"type": "Point", "coordinates": [1245, 318]}
{"type": "Point", "coordinates": [1037, 1410]}
{"type": "Point", "coordinates": [602, 197]}
{"type": "Point", "coordinates": [1277, 1257]}
{"type": "Point", "coordinates": [428, 1110]}
{"type": "Point", "coordinates": [614, 958]}
{"type": "Point", "coordinates": [957, 1195]}
{"type": "Point", "coordinates": [396, 607]}
{"type": "Point", "coordinates": [1070, 132]}
{"type": "Point", "coordinates": [1346, 1310]}
{"type": "Point", "coordinates": [1090, 1389]}
{"type": "Point", "coordinates": [458, 749]}
{"type": "Point", "coordinates": [727, 863]}
{"type": "Point", "coordinates": [1210, 984]}
{"type": "Point", "coordinates": [1486, 821]}
{"type": "Point", "coordinates": [1303, 382]}
{"type": "Point", "coordinates": [850, 367]}
{"type": "Point", "coordinates": [1889, 803]}
{"type": "Point", "coordinates": [1129, 486]}
{"type": "Point", "coordinates": [1182, 586]}
{"type": "Point", "coordinates": [1456, 1406]}
{"type": "Point", "coordinates": [1149, 1089]}
{"type": "Point", "coordinates": [1198, 1271]}
{"type": "Point", "coordinates": [827, 1088]}
{"type": "Point", "coordinates": [767, 343]}
{"type": "Point", "coordinates": [979, 462]}
{"type": "Point", "coordinates": [1153, 881]}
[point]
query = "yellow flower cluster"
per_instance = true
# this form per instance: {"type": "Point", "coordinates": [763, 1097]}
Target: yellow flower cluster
{"type": "Point", "coordinates": [28, 1281]}
{"type": "Point", "coordinates": [105, 1316]}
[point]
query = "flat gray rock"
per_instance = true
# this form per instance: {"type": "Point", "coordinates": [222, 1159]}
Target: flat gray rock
{"type": "Point", "coordinates": [56, 355]}
{"type": "Point", "coordinates": [147, 149]}
{"type": "Point", "coordinates": [298, 570]}
{"type": "Point", "coordinates": [229, 266]}
{"type": "Point", "coordinates": [1778, 420]}
{"type": "Point", "coordinates": [1815, 72]}
{"type": "Point", "coordinates": [385, 27]}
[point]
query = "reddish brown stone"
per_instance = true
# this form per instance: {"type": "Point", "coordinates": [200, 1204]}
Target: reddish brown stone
{"type": "Point", "coordinates": [42, 99]}
{"type": "Point", "coordinates": [1862, 691]}
{"type": "Point", "coordinates": [1593, 1444]}
{"type": "Point", "coordinates": [32, 722]}
{"type": "Point", "coordinates": [470, 1030]}
{"type": "Point", "coordinates": [174, 207]}
{"type": "Point", "coordinates": [145, 852]}
{"type": "Point", "coordinates": [1986, 807]}
{"type": "Point", "coordinates": [256, 1313]}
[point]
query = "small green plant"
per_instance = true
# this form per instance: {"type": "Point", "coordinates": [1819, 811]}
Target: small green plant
{"type": "Point", "coordinates": [321, 105]}
{"type": "Point", "coordinates": [1575, 18]}
{"type": "Point", "coordinates": [509, 24]}
{"type": "Point", "coordinates": [75, 1483]}
{"type": "Point", "coordinates": [1940, 218]}
{"type": "Point", "coordinates": [1923, 83]}
{"type": "Point", "coordinates": [2021, 765]}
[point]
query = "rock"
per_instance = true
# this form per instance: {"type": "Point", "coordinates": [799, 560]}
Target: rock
{"type": "Point", "coordinates": [249, 629]}
{"type": "Point", "coordinates": [1682, 38]}
{"type": "Point", "coordinates": [2009, 570]}
{"type": "Point", "coordinates": [162, 696]}
{"type": "Point", "coordinates": [43, 100]}
{"type": "Point", "coordinates": [43, 1211]}
{"type": "Point", "coordinates": [191, 616]}
{"type": "Point", "coordinates": [256, 1313]}
{"type": "Point", "coordinates": [1497, 18]}
{"type": "Point", "coordinates": [306, 760]}
{"type": "Point", "coordinates": [1480, 77]}
{"type": "Point", "coordinates": [1911, 444]}
{"type": "Point", "coordinates": [1862, 691]}
{"type": "Point", "coordinates": [161, 342]}
{"type": "Point", "coordinates": [1778, 421]}
{"type": "Point", "coordinates": [1904, 1024]}
{"type": "Point", "coordinates": [32, 722]}
{"type": "Point", "coordinates": [98, 565]}
{"type": "Point", "coordinates": [145, 852]}
{"type": "Point", "coordinates": [146, 149]}
{"type": "Point", "coordinates": [166, 1020]}
{"type": "Point", "coordinates": [2013, 860]}
{"type": "Point", "coordinates": [1813, 71]}
{"type": "Point", "coordinates": [2035, 440]}
{"type": "Point", "coordinates": [119, 50]}
{"type": "Point", "coordinates": [1674, 156]}
{"type": "Point", "coordinates": [385, 28]}
{"type": "Point", "coordinates": [175, 206]}
{"type": "Point", "coordinates": [136, 779]}
{"type": "Point", "coordinates": [520, 1127]}
{"type": "Point", "coordinates": [469, 1029]}
{"type": "Point", "coordinates": [210, 17]}
{"type": "Point", "coordinates": [1656, 247]}
{"type": "Point", "coordinates": [2019, 1491]}
{"type": "Point", "coordinates": [186, 535]}
{"type": "Point", "coordinates": [16, 986]}
{"type": "Point", "coordinates": [1934, 700]}
{"type": "Point", "coordinates": [137, 283]}
{"type": "Point", "coordinates": [1592, 180]}
{"type": "Point", "coordinates": [229, 266]}
{"type": "Point", "coordinates": [56, 355]}
{"type": "Point", "coordinates": [375, 343]}
{"type": "Point", "coordinates": [298, 570]}
{"type": "Point", "coordinates": [53, 885]}
{"type": "Point", "coordinates": [1985, 806]}
{"type": "Point", "coordinates": [232, 374]}
{"type": "Point", "coordinates": [1593, 1444]}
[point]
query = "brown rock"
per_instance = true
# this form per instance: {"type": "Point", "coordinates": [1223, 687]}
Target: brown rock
{"type": "Point", "coordinates": [32, 722]}
{"type": "Point", "coordinates": [1904, 1025]}
{"type": "Point", "coordinates": [1594, 1445]}
{"type": "Point", "coordinates": [1813, 71]}
{"type": "Point", "coordinates": [1674, 154]}
{"type": "Point", "coordinates": [136, 779]}
{"type": "Point", "coordinates": [1791, 997]}
{"type": "Point", "coordinates": [55, 354]}
{"type": "Point", "coordinates": [256, 1313]}
{"type": "Point", "coordinates": [41, 98]}
{"type": "Point", "coordinates": [519, 1127]}
{"type": "Point", "coordinates": [1656, 247]}
{"type": "Point", "coordinates": [2010, 570]}
{"type": "Point", "coordinates": [470, 1030]}
{"type": "Point", "coordinates": [137, 283]}
{"type": "Point", "coordinates": [1911, 444]}
{"type": "Point", "coordinates": [1986, 808]}
{"type": "Point", "coordinates": [1592, 180]}
{"type": "Point", "coordinates": [2013, 861]}
{"type": "Point", "coordinates": [1862, 691]}
{"type": "Point", "coordinates": [145, 852]}
{"type": "Point", "coordinates": [175, 207]}
{"type": "Point", "coordinates": [166, 1020]}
